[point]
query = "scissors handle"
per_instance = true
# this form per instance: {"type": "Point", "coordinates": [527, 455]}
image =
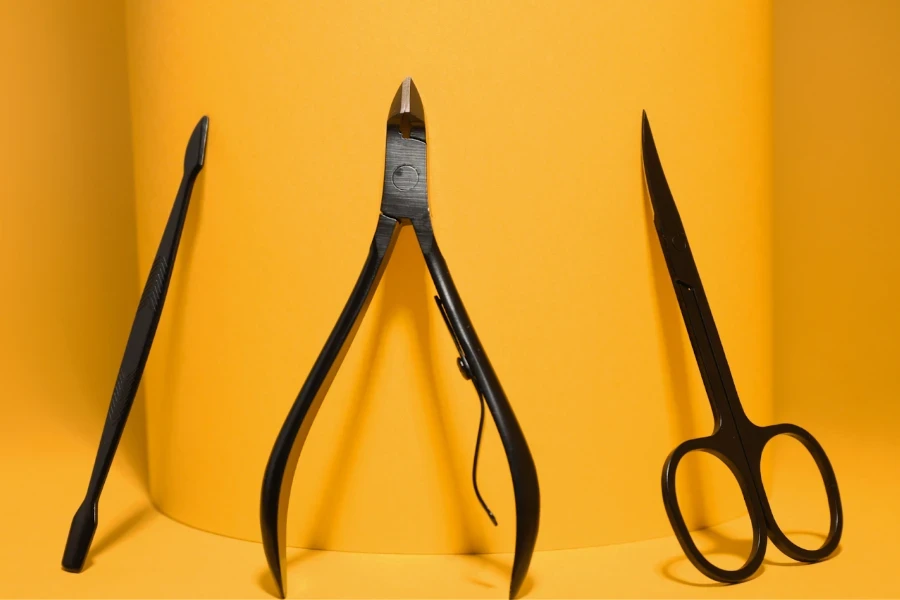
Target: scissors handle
{"type": "Point", "coordinates": [723, 446]}
{"type": "Point", "coordinates": [755, 443]}
{"type": "Point", "coordinates": [742, 454]}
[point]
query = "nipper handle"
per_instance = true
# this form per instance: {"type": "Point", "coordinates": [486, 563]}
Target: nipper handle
{"type": "Point", "coordinates": [521, 463]}
{"type": "Point", "coordinates": [279, 474]}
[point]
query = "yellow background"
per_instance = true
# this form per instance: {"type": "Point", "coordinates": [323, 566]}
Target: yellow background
{"type": "Point", "coordinates": [783, 170]}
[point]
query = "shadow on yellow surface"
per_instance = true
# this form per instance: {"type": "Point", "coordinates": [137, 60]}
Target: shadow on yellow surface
{"type": "Point", "coordinates": [715, 544]}
{"type": "Point", "coordinates": [166, 355]}
{"type": "Point", "coordinates": [405, 288]}
{"type": "Point", "coordinates": [797, 537]}
{"type": "Point", "coordinates": [124, 528]}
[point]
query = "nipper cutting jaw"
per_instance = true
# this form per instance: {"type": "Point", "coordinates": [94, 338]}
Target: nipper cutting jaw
{"type": "Point", "coordinates": [405, 194]}
{"type": "Point", "coordinates": [404, 202]}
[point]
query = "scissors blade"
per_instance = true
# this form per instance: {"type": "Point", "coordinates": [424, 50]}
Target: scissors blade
{"type": "Point", "coordinates": [695, 308]}
{"type": "Point", "coordinates": [669, 227]}
{"type": "Point", "coordinates": [665, 211]}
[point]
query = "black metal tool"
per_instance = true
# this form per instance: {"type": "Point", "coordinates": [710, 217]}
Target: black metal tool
{"type": "Point", "coordinates": [84, 524]}
{"type": "Point", "coordinates": [735, 440]}
{"type": "Point", "coordinates": [404, 202]}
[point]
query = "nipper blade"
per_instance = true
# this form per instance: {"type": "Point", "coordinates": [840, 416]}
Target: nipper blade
{"type": "Point", "coordinates": [407, 104]}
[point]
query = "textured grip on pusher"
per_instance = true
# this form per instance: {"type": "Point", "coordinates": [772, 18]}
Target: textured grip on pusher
{"type": "Point", "coordinates": [154, 289]}
{"type": "Point", "coordinates": [124, 390]}
{"type": "Point", "coordinates": [81, 534]}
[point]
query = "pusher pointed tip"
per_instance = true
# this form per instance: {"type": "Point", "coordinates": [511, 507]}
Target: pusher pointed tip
{"type": "Point", "coordinates": [195, 153]}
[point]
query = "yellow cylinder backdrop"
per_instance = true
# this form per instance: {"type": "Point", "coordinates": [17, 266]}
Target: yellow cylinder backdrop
{"type": "Point", "coordinates": [533, 116]}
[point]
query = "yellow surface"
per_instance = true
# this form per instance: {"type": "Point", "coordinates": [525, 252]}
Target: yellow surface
{"type": "Point", "coordinates": [533, 117]}
{"type": "Point", "coordinates": [278, 229]}
{"type": "Point", "coordinates": [139, 553]}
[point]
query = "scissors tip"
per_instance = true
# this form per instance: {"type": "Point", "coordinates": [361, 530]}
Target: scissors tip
{"type": "Point", "coordinates": [648, 145]}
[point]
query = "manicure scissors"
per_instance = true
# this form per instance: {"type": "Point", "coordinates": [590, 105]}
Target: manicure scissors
{"type": "Point", "coordinates": [404, 202]}
{"type": "Point", "coordinates": [137, 350]}
{"type": "Point", "coordinates": [735, 440]}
